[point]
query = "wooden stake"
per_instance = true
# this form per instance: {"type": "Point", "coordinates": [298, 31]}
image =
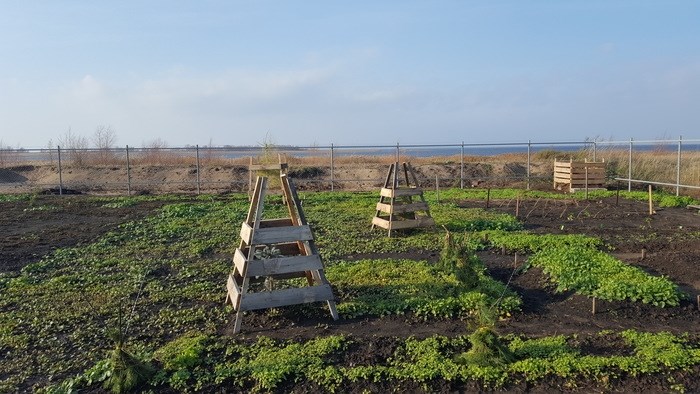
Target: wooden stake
{"type": "Point", "coordinates": [515, 260]}
{"type": "Point", "coordinates": [517, 206]}
{"type": "Point", "coordinates": [699, 302]}
{"type": "Point", "coordinates": [503, 249]}
{"type": "Point", "coordinates": [488, 197]}
{"type": "Point", "coordinates": [651, 203]}
{"type": "Point", "coordinates": [617, 195]}
{"type": "Point", "coordinates": [593, 305]}
{"type": "Point", "coordinates": [644, 253]}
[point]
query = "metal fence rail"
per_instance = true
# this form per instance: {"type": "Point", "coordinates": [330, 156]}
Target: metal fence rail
{"type": "Point", "coordinates": [130, 167]}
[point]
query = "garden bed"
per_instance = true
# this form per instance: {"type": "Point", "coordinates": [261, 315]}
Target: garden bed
{"type": "Point", "coordinates": [184, 264]}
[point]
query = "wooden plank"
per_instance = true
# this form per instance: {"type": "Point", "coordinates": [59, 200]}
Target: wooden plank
{"type": "Point", "coordinates": [402, 208]}
{"type": "Point", "coordinates": [281, 235]}
{"type": "Point", "coordinates": [403, 224]}
{"type": "Point", "coordinates": [590, 172]}
{"type": "Point", "coordinates": [284, 297]}
{"type": "Point", "coordinates": [267, 167]}
{"type": "Point", "coordinates": [233, 291]}
{"type": "Point", "coordinates": [239, 261]}
{"type": "Point", "coordinates": [385, 192]}
{"type": "Point", "coordinates": [283, 265]}
{"type": "Point", "coordinates": [380, 222]}
{"type": "Point", "coordinates": [282, 222]}
{"type": "Point", "coordinates": [246, 232]}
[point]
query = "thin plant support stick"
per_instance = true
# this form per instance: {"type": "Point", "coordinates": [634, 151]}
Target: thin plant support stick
{"type": "Point", "coordinates": [586, 182]}
{"type": "Point", "coordinates": [593, 306]}
{"type": "Point", "coordinates": [651, 202]}
{"type": "Point", "coordinates": [488, 197]}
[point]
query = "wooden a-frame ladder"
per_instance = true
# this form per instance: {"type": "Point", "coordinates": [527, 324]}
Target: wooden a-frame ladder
{"type": "Point", "coordinates": [298, 257]}
{"type": "Point", "coordinates": [396, 209]}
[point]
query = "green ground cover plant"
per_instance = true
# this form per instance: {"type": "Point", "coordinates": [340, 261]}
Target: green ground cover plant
{"type": "Point", "coordinates": [64, 304]}
{"type": "Point", "coordinates": [574, 262]}
{"type": "Point", "coordinates": [268, 364]}
{"type": "Point", "coordinates": [660, 197]}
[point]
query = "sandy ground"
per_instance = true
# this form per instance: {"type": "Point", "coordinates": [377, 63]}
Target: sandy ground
{"type": "Point", "coordinates": [228, 178]}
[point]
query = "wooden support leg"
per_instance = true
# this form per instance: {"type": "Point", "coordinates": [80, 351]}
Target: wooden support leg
{"type": "Point", "coordinates": [239, 309]}
{"type": "Point", "coordinates": [333, 310]}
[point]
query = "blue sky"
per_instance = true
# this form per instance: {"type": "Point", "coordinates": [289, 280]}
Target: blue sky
{"type": "Point", "coordinates": [361, 72]}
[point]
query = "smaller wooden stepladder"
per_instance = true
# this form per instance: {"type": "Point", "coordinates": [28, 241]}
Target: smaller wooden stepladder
{"type": "Point", "coordinates": [261, 168]}
{"type": "Point", "coordinates": [297, 257]}
{"type": "Point", "coordinates": [396, 209]}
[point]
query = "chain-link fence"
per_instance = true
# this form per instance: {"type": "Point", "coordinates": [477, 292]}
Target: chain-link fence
{"type": "Point", "coordinates": [674, 164]}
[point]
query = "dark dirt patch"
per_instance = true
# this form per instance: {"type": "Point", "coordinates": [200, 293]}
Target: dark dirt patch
{"type": "Point", "coordinates": [31, 230]}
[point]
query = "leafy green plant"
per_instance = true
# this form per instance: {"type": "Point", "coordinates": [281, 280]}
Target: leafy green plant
{"type": "Point", "coordinates": [594, 273]}
{"type": "Point", "coordinates": [267, 252]}
{"type": "Point", "coordinates": [383, 287]}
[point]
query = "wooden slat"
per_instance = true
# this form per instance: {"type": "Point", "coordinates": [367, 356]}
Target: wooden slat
{"type": "Point", "coordinates": [239, 261]}
{"type": "Point", "coordinates": [233, 291]}
{"type": "Point", "coordinates": [269, 223]}
{"type": "Point", "coordinates": [281, 235]}
{"type": "Point", "coordinates": [403, 224]}
{"type": "Point", "coordinates": [402, 208]}
{"type": "Point", "coordinates": [385, 192]}
{"type": "Point", "coordinates": [284, 297]}
{"type": "Point", "coordinates": [246, 233]}
{"type": "Point", "coordinates": [267, 167]}
{"type": "Point", "coordinates": [283, 265]}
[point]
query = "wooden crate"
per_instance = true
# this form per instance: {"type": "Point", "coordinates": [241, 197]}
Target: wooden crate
{"type": "Point", "coordinates": [578, 175]}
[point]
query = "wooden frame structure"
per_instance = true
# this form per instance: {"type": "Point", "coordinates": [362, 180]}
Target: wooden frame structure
{"type": "Point", "coordinates": [396, 208]}
{"type": "Point", "coordinates": [579, 175]}
{"type": "Point", "coordinates": [281, 166]}
{"type": "Point", "coordinates": [298, 257]}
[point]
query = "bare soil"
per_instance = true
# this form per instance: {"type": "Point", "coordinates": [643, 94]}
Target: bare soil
{"type": "Point", "coordinates": [669, 240]}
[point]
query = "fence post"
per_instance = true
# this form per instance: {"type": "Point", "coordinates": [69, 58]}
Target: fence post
{"type": "Point", "coordinates": [629, 168]}
{"type": "Point", "coordinates": [197, 154]}
{"type": "Point", "coordinates": [128, 172]}
{"type": "Point", "coordinates": [595, 149]}
{"type": "Point", "coordinates": [60, 172]}
{"type": "Point", "coordinates": [461, 167]}
{"type": "Point", "coordinates": [397, 152]}
{"type": "Point", "coordinates": [528, 164]}
{"type": "Point", "coordinates": [437, 188]}
{"type": "Point", "coordinates": [678, 166]}
{"type": "Point", "coordinates": [332, 167]}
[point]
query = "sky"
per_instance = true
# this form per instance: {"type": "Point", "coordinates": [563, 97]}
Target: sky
{"type": "Point", "coordinates": [357, 72]}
